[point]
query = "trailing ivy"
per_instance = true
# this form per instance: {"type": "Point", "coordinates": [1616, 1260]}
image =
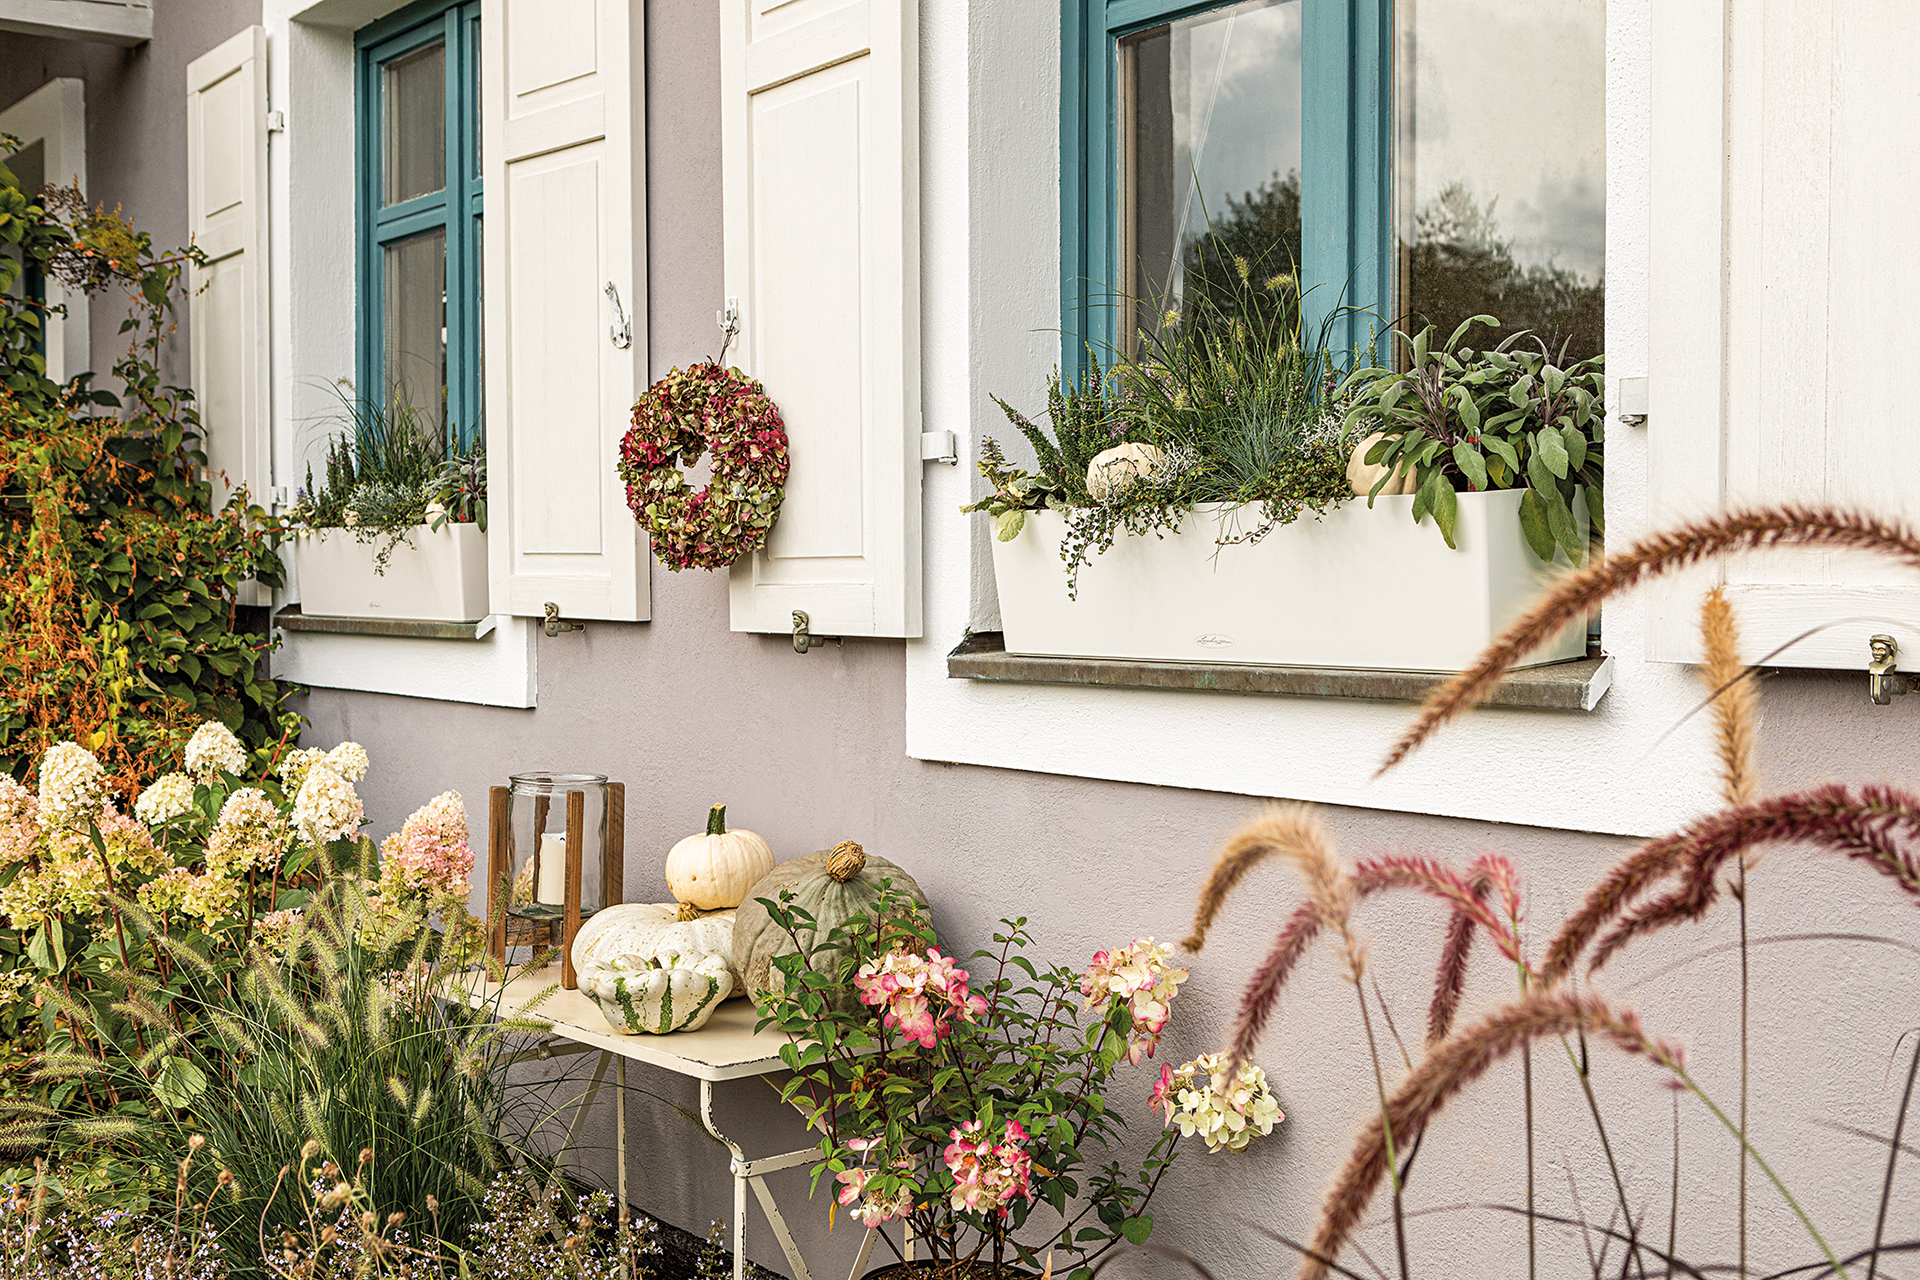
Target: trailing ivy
{"type": "Point", "coordinates": [119, 584]}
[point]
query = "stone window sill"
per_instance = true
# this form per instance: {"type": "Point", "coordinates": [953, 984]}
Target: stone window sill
{"type": "Point", "coordinates": [1578, 685]}
{"type": "Point", "coordinates": [291, 619]}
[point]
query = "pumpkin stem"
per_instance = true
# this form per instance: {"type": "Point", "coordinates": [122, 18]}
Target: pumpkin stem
{"type": "Point", "coordinates": [689, 912]}
{"type": "Point", "coordinates": [846, 861]}
{"type": "Point", "coordinates": [717, 820]}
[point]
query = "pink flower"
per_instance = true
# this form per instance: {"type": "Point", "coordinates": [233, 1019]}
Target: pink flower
{"type": "Point", "coordinates": [988, 1175]}
{"type": "Point", "coordinates": [1164, 1096]}
{"type": "Point", "coordinates": [921, 998]}
{"type": "Point", "coordinates": [1141, 976]}
{"type": "Point", "coordinates": [869, 1204]}
{"type": "Point", "coordinates": [430, 850]}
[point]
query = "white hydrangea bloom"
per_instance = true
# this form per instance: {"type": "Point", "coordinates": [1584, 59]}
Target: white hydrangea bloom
{"type": "Point", "coordinates": [165, 800]}
{"type": "Point", "coordinates": [1227, 1111]}
{"type": "Point", "coordinates": [349, 760]}
{"type": "Point", "coordinates": [72, 785]}
{"type": "Point", "coordinates": [213, 749]}
{"type": "Point", "coordinates": [294, 766]}
{"type": "Point", "coordinates": [249, 833]}
{"type": "Point", "coordinates": [326, 807]}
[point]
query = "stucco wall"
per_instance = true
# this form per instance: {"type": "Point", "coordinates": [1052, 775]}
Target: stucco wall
{"type": "Point", "coordinates": [136, 131]}
{"type": "Point", "coordinates": [808, 750]}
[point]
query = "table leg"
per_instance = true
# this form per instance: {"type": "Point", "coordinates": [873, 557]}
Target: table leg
{"type": "Point", "coordinates": [620, 1153]}
{"type": "Point", "coordinates": [860, 1259]}
{"type": "Point", "coordinates": [747, 1171]}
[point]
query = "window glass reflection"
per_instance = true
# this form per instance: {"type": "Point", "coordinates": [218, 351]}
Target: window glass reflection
{"type": "Point", "coordinates": [416, 331]}
{"type": "Point", "coordinates": [413, 124]}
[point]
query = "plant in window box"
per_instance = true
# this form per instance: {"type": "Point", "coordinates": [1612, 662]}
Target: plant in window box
{"type": "Point", "coordinates": [398, 528]}
{"type": "Point", "coordinates": [971, 1104]}
{"type": "Point", "coordinates": [1252, 428]}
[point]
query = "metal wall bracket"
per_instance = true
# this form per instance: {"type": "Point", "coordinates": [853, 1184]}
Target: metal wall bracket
{"type": "Point", "coordinates": [803, 638]}
{"type": "Point", "coordinates": [556, 626]}
{"type": "Point", "coordinates": [620, 330]}
{"type": "Point", "coordinates": [1883, 682]}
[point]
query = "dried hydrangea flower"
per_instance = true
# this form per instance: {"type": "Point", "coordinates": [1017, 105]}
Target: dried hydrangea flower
{"type": "Point", "coordinates": [1227, 1111]}
{"type": "Point", "coordinates": [168, 798]}
{"type": "Point", "coordinates": [349, 760]}
{"type": "Point", "coordinates": [214, 750]}
{"type": "Point", "coordinates": [326, 807]}
{"type": "Point", "coordinates": [72, 785]}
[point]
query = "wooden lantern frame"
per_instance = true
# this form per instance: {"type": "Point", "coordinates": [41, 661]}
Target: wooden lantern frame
{"type": "Point", "coordinates": [500, 866]}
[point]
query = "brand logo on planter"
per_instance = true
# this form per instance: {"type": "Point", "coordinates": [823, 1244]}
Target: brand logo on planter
{"type": "Point", "coordinates": [1211, 641]}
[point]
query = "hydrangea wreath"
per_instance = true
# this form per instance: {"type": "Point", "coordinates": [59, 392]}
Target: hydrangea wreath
{"type": "Point", "coordinates": [726, 415]}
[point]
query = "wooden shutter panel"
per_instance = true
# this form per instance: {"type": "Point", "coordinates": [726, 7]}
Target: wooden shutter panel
{"type": "Point", "coordinates": [227, 218]}
{"type": "Point", "coordinates": [562, 224]}
{"type": "Point", "coordinates": [1784, 133]}
{"type": "Point", "coordinates": [820, 132]}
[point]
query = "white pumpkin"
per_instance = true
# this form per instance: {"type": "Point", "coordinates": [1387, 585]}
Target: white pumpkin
{"type": "Point", "coordinates": [650, 929]}
{"type": "Point", "coordinates": [713, 871]}
{"type": "Point", "coordinates": [1113, 470]}
{"type": "Point", "coordinates": [658, 994]}
{"type": "Point", "coordinates": [1363, 475]}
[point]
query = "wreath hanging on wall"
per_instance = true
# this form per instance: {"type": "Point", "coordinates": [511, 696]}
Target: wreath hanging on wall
{"type": "Point", "coordinates": [724, 414]}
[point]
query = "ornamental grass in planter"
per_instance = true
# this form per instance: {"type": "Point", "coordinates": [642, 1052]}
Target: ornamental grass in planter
{"type": "Point", "coordinates": [1559, 1002]}
{"type": "Point", "coordinates": [398, 528]}
{"type": "Point", "coordinates": [1200, 496]}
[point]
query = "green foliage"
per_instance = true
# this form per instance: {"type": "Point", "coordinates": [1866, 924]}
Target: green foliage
{"type": "Point", "coordinates": [1033, 1054]}
{"type": "Point", "coordinates": [1505, 418]}
{"type": "Point", "coordinates": [391, 470]}
{"type": "Point", "coordinates": [118, 581]}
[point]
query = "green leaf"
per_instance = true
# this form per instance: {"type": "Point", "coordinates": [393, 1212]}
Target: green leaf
{"type": "Point", "coordinates": [1533, 524]}
{"type": "Point", "coordinates": [178, 1083]}
{"type": "Point", "coordinates": [1446, 511]}
{"type": "Point", "coordinates": [1596, 509]}
{"type": "Point", "coordinates": [1565, 531]}
{"type": "Point", "coordinates": [1136, 1230]}
{"type": "Point", "coordinates": [1471, 464]}
{"type": "Point", "coordinates": [1008, 524]}
{"type": "Point", "coordinates": [1552, 450]}
{"type": "Point", "coordinates": [1469, 411]}
{"type": "Point", "coordinates": [1576, 443]}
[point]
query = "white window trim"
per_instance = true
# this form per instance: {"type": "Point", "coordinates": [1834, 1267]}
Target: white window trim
{"type": "Point", "coordinates": [982, 255]}
{"type": "Point", "coordinates": [310, 74]}
{"type": "Point", "coordinates": [55, 114]}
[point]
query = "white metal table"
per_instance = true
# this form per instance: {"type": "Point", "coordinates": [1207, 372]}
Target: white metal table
{"type": "Point", "coordinates": [727, 1048]}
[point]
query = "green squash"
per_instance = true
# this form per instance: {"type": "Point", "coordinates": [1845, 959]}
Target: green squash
{"type": "Point", "coordinates": [833, 886]}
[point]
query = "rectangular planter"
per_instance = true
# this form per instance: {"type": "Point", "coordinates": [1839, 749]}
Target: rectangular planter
{"type": "Point", "coordinates": [432, 575]}
{"type": "Point", "coordinates": [1354, 588]}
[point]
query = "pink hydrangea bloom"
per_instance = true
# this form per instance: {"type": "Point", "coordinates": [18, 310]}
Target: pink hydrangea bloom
{"type": "Point", "coordinates": [920, 996]}
{"type": "Point", "coordinates": [1142, 976]}
{"type": "Point", "coordinates": [430, 851]}
{"type": "Point", "coordinates": [987, 1175]}
{"type": "Point", "coordinates": [19, 822]}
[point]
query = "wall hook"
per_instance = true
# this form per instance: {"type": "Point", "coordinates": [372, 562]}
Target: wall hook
{"type": "Point", "coordinates": [620, 331]}
{"type": "Point", "coordinates": [1883, 682]}
{"type": "Point", "coordinates": [803, 638]}
{"type": "Point", "coordinates": [556, 626]}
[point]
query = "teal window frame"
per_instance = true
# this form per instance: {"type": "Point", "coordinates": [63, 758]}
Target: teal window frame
{"type": "Point", "coordinates": [1346, 170]}
{"type": "Point", "coordinates": [456, 208]}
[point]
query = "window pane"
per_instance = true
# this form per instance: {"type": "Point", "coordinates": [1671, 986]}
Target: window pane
{"type": "Point", "coordinates": [1502, 174]}
{"type": "Point", "coordinates": [1210, 157]}
{"type": "Point", "coordinates": [413, 123]}
{"type": "Point", "coordinates": [416, 330]}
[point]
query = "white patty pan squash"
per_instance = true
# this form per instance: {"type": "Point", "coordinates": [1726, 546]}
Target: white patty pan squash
{"type": "Point", "coordinates": [658, 994]}
{"type": "Point", "coordinates": [649, 929]}
{"type": "Point", "coordinates": [714, 870]}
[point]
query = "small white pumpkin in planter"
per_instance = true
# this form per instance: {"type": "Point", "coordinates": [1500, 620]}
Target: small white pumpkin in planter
{"type": "Point", "coordinates": [649, 929]}
{"type": "Point", "coordinates": [713, 871]}
{"type": "Point", "coordinates": [1112, 471]}
{"type": "Point", "coordinates": [656, 995]}
{"type": "Point", "coordinates": [1363, 475]}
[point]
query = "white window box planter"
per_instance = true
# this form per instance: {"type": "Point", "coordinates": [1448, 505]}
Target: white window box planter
{"type": "Point", "coordinates": [1355, 588]}
{"type": "Point", "coordinates": [432, 575]}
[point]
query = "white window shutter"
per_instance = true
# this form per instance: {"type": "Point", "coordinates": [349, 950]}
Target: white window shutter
{"type": "Point", "coordinates": [563, 223]}
{"type": "Point", "coordinates": [227, 218]}
{"type": "Point", "coordinates": [1775, 161]}
{"type": "Point", "coordinates": [820, 149]}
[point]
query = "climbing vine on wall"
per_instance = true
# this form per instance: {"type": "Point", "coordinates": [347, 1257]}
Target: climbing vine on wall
{"type": "Point", "coordinates": [119, 621]}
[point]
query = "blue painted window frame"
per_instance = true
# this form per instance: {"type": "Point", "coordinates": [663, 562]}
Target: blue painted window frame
{"type": "Point", "coordinates": [456, 207]}
{"type": "Point", "coordinates": [1346, 170]}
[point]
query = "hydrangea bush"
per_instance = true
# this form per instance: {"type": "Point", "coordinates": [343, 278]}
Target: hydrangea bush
{"type": "Point", "coordinates": [970, 1103]}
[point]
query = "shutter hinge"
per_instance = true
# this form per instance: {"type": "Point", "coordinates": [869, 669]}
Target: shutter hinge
{"type": "Point", "coordinates": [1633, 401]}
{"type": "Point", "coordinates": [276, 122]}
{"type": "Point", "coordinates": [280, 496]}
{"type": "Point", "coordinates": [938, 446]}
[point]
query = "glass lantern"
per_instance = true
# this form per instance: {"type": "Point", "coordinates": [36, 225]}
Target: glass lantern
{"type": "Point", "coordinates": [556, 850]}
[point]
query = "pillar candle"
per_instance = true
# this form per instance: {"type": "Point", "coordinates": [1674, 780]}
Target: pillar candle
{"type": "Point", "coordinates": [552, 888]}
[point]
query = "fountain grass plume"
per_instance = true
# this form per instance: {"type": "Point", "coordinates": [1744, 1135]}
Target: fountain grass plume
{"type": "Point", "coordinates": [1286, 831]}
{"type": "Point", "coordinates": [1580, 590]}
{"type": "Point", "coordinates": [1450, 1067]}
{"type": "Point", "coordinates": [1730, 687]}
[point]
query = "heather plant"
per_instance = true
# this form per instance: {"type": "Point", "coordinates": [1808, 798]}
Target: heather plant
{"type": "Point", "coordinates": [1668, 882]}
{"type": "Point", "coordinates": [120, 578]}
{"type": "Point", "coordinates": [970, 1104]}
